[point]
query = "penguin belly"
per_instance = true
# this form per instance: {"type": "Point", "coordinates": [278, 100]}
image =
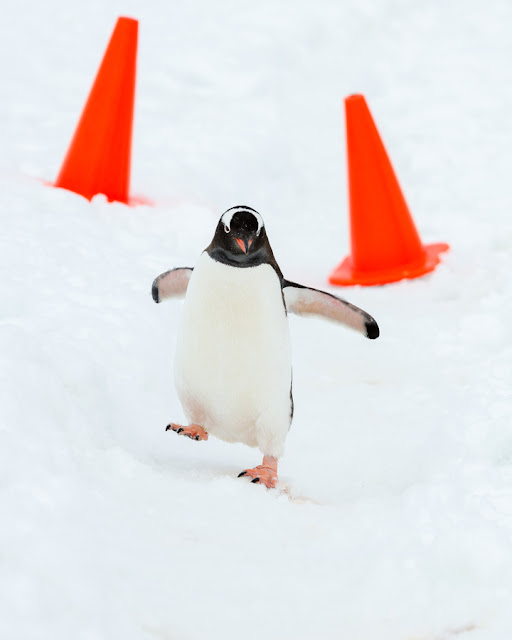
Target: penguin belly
{"type": "Point", "coordinates": [233, 356]}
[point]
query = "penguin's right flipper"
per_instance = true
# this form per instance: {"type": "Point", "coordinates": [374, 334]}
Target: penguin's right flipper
{"type": "Point", "coordinates": [171, 284]}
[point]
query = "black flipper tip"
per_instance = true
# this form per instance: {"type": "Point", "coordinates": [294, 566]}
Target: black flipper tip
{"type": "Point", "coordinates": [169, 426]}
{"type": "Point", "coordinates": [154, 292]}
{"type": "Point", "coordinates": [242, 474]}
{"type": "Point", "coordinates": [372, 330]}
{"type": "Point", "coordinates": [255, 480]}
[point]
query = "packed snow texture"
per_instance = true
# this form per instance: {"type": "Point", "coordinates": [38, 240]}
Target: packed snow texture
{"type": "Point", "coordinates": [394, 517]}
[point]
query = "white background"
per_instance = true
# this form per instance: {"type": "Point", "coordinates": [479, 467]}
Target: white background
{"type": "Point", "coordinates": [394, 518]}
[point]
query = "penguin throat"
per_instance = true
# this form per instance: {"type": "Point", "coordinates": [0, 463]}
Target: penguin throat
{"type": "Point", "coordinates": [243, 260]}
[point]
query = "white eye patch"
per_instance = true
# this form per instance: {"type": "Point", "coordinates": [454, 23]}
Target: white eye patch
{"type": "Point", "coordinates": [228, 216]}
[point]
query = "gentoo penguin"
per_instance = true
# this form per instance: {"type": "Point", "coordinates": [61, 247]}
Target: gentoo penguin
{"type": "Point", "coordinates": [233, 369]}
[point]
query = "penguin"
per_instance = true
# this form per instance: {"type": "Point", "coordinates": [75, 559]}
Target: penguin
{"type": "Point", "coordinates": [233, 366]}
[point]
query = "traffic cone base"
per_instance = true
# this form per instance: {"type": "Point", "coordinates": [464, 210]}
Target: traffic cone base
{"type": "Point", "coordinates": [346, 275]}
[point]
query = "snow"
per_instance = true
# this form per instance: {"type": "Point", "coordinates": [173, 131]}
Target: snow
{"type": "Point", "coordinates": [395, 516]}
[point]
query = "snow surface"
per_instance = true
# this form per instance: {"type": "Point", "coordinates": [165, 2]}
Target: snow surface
{"type": "Point", "coordinates": [395, 521]}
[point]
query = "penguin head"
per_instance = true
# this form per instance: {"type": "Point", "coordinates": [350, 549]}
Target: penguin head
{"type": "Point", "coordinates": [240, 236]}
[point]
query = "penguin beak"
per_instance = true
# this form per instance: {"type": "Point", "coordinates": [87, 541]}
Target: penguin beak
{"type": "Point", "coordinates": [244, 244]}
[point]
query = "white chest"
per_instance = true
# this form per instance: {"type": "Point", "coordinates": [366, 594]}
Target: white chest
{"type": "Point", "coordinates": [233, 360]}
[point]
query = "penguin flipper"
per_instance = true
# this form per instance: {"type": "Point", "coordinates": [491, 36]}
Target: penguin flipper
{"type": "Point", "coordinates": [304, 301]}
{"type": "Point", "coordinates": [171, 284]}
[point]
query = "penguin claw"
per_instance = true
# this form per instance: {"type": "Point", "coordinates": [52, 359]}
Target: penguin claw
{"type": "Point", "coordinates": [193, 431]}
{"type": "Point", "coordinates": [261, 475]}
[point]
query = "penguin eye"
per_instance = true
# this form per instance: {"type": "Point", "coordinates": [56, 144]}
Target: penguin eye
{"type": "Point", "coordinates": [226, 228]}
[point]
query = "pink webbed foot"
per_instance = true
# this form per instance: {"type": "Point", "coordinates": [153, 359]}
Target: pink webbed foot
{"type": "Point", "coordinates": [193, 431]}
{"type": "Point", "coordinates": [265, 473]}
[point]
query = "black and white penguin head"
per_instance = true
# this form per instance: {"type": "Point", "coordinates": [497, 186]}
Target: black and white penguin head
{"type": "Point", "coordinates": [243, 225]}
{"type": "Point", "coordinates": [240, 238]}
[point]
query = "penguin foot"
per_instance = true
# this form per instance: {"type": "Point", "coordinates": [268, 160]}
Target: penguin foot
{"type": "Point", "coordinates": [265, 473]}
{"type": "Point", "coordinates": [193, 431]}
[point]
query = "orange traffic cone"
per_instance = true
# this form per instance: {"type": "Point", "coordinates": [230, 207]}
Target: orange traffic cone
{"type": "Point", "coordinates": [385, 244]}
{"type": "Point", "coordinates": [98, 158]}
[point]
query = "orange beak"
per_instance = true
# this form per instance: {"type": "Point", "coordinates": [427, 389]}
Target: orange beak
{"type": "Point", "coordinates": [243, 245]}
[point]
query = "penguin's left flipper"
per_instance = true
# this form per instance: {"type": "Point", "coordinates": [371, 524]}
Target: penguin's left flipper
{"type": "Point", "coordinates": [171, 284]}
{"type": "Point", "coordinates": [303, 301]}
